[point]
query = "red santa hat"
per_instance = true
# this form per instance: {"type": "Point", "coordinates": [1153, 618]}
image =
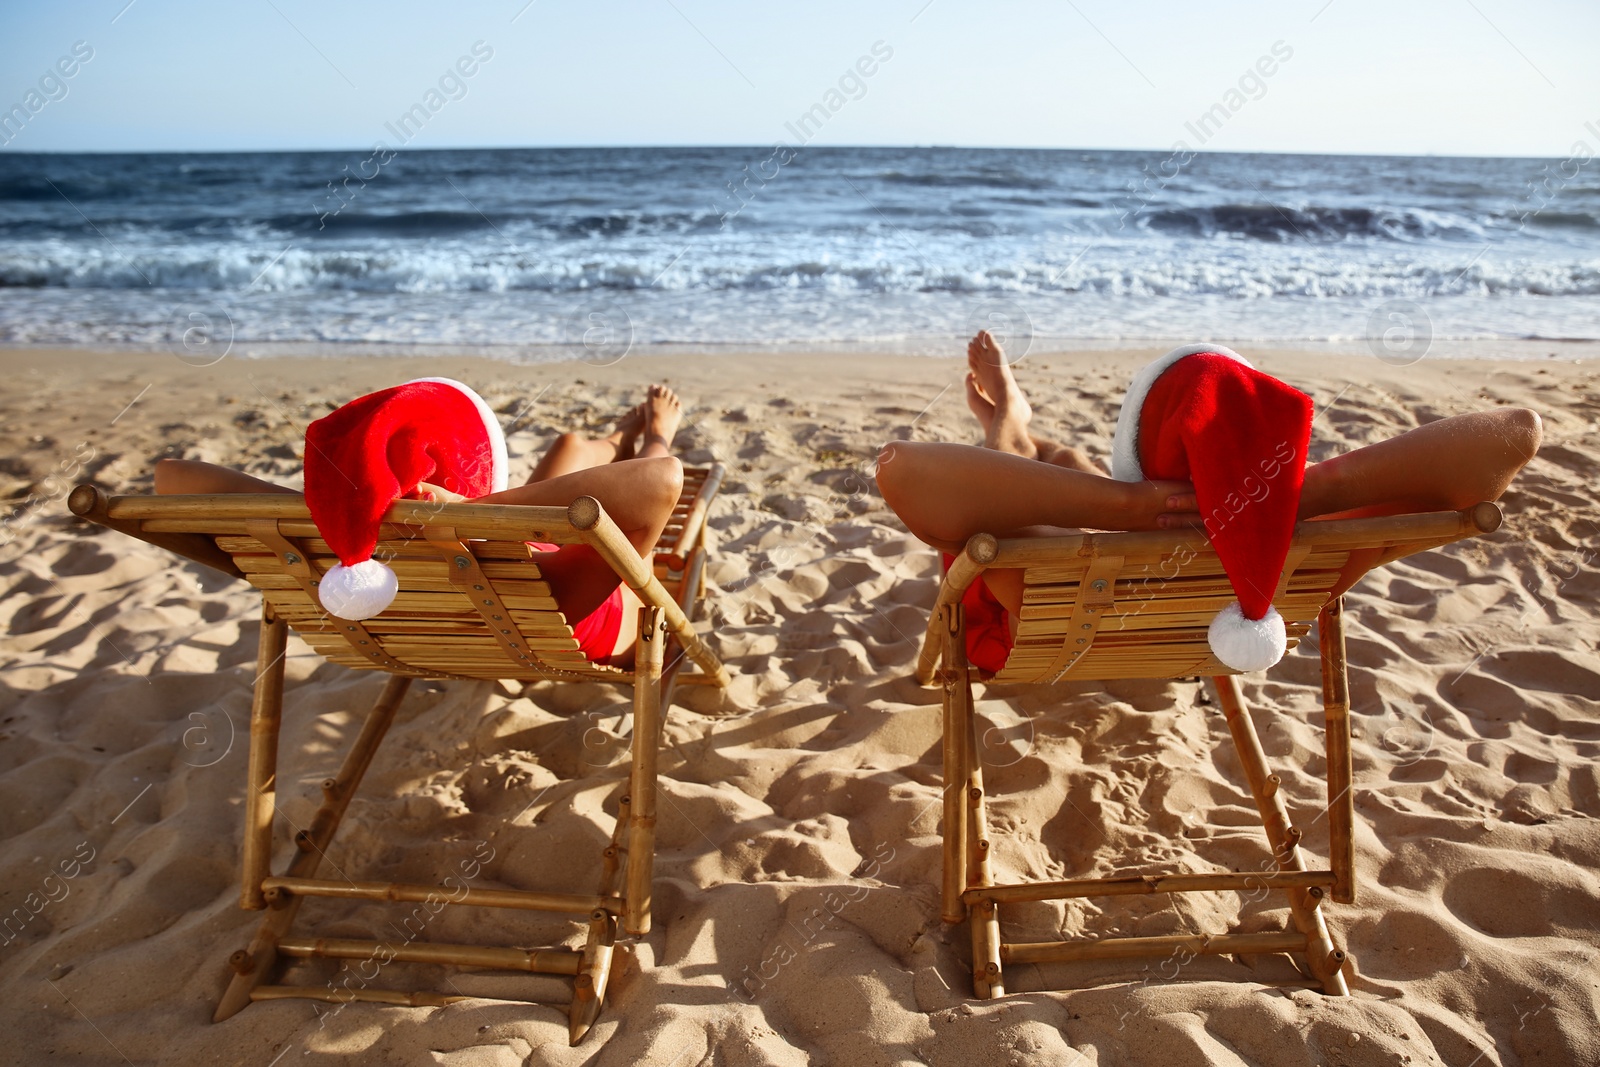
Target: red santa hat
{"type": "Point", "coordinates": [376, 449]}
{"type": "Point", "coordinates": [1203, 414]}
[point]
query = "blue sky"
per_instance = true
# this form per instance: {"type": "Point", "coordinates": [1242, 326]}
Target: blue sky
{"type": "Point", "coordinates": [1465, 77]}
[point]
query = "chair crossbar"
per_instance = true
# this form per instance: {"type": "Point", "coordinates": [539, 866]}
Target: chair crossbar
{"type": "Point", "coordinates": [1242, 882]}
{"type": "Point", "coordinates": [569, 903]}
{"type": "Point", "coordinates": [536, 961]}
{"type": "Point", "coordinates": [1137, 947]}
{"type": "Point", "coordinates": [395, 998]}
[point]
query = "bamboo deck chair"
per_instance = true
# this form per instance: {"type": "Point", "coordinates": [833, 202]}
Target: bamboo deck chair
{"type": "Point", "coordinates": [471, 605]}
{"type": "Point", "coordinates": [1137, 605]}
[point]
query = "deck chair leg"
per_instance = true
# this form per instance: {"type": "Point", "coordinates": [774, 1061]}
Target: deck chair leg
{"type": "Point", "coordinates": [594, 970]}
{"type": "Point", "coordinates": [1325, 959]}
{"type": "Point", "coordinates": [646, 742]}
{"type": "Point", "coordinates": [260, 797]}
{"type": "Point", "coordinates": [1336, 706]}
{"type": "Point", "coordinates": [957, 695]}
{"type": "Point", "coordinates": [987, 980]}
{"type": "Point", "coordinates": [251, 966]}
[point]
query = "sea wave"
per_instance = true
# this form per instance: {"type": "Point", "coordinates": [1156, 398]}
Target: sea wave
{"type": "Point", "coordinates": [1272, 222]}
{"type": "Point", "coordinates": [326, 219]}
{"type": "Point", "coordinates": [714, 244]}
{"type": "Point", "coordinates": [442, 267]}
{"type": "Point", "coordinates": [992, 178]}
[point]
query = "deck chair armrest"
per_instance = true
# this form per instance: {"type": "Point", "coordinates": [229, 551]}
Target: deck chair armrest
{"type": "Point", "coordinates": [980, 552]}
{"type": "Point", "coordinates": [694, 523]}
{"type": "Point", "coordinates": [601, 533]}
{"type": "Point", "coordinates": [88, 501]}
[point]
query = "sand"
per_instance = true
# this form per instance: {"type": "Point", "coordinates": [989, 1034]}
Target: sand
{"type": "Point", "coordinates": [796, 881]}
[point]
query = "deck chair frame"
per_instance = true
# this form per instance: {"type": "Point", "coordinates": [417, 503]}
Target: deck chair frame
{"type": "Point", "coordinates": [471, 605]}
{"type": "Point", "coordinates": [1109, 606]}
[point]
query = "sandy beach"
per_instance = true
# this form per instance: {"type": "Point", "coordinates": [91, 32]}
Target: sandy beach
{"type": "Point", "coordinates": [812, 783]}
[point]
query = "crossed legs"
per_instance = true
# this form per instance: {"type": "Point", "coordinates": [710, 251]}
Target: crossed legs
{"type": "Point", "coordinates": [1019, 483]}
{"type": "Point", "coordinates": [633, 475]}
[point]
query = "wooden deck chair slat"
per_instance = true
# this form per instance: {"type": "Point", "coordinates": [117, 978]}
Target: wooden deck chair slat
{"type": "Point", "coordinates": [282, 591]}
{"type": "Point", "coordinates": [1311, 574]}
{"type": "Point", "coordinates": [1189, 612]}
{"type": "Point", "coordinates": [522, 578]}
{"type": "Point", "coordinates": [687, 524]}
{"type": "Point", "coordinates": [430, 603]}
{"type": "Point", "coordinates": [292, 557]}
{"type": "Point", "coordinates": [400, 644]}
{"type": "Point", "coordinates": [442, 627]}
{"type": "Point", "coordinates": [412, 549]}
{"type": "Point", "coordinates": [486, 599]}
{"type": "Point", "coordinates": [1142, 600]}
{"type": "Point", "coordinates": [472, 604]}
{"type": "Point", "coordinates": [1138, 605]}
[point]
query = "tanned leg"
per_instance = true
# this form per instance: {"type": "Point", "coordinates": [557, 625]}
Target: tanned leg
{"type": "Point", "coordinates": [1444, 466]}
{"type": "Point", "coordinates": [574, 452]}
{"type": "Point", "coordinates": [1074, 459]}
{"type": "Point", "coordinates": [638, 494]}
{"type": "Point", "coordinates": [1002, 409]}
{"type": "Point", "coordinates": [184, 476]}
{"type": "Point", "coordinates": [945, 493]}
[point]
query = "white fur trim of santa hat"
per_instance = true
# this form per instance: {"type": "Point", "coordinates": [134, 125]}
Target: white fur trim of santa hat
{"type": "Point", "coordinates": [1125, 465]}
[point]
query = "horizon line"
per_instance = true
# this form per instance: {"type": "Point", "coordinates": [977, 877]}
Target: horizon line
{"type": "Point", "coordinates": [7, 151]}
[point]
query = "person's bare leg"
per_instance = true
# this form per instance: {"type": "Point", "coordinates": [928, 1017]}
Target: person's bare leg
{"type": "Point", "coordinates": [185, 476]}
{"type": "Point", "coordinates": [637, 494]}
{"type": "Point", "coordinates": [1006, 583]}
{"type": "Point", "coordinates": [572, 452]}
{"type": "Point", "coordinates": [580, 579]}
{"type": "Point", "coordinates": [990, 378]}
{"type": "Point", "coordinates": [945, 493]}
{"type": "Point", "coordinates": [1074, 459]}
{"type": "Point", "coordinates": [1444, 466]}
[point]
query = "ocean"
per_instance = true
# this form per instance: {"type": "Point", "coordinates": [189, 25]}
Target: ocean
{"type": "Point", "coordinates": [561, 253]}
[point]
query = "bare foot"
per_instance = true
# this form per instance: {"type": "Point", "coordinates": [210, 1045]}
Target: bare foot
{"type": "Point", "coordinates": [626, 435]}
{"type": "Point", "coordinates": [663, 411]}
{"type": "Point", "coordinates": [980, 405]}
{"type": "Point", "coordinates": [992, 380]}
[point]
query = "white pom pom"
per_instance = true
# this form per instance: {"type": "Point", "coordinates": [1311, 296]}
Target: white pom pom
{"type": "Point", "coordinates": [1248, 644]}
{"type": "Point", "coordinates": [358, 592]}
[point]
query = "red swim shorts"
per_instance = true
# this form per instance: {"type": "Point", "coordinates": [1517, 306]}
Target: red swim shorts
{"type": "Point", "coordinates": [598, 631]}
{"type": "Point", "coordinates": [988, 625]}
